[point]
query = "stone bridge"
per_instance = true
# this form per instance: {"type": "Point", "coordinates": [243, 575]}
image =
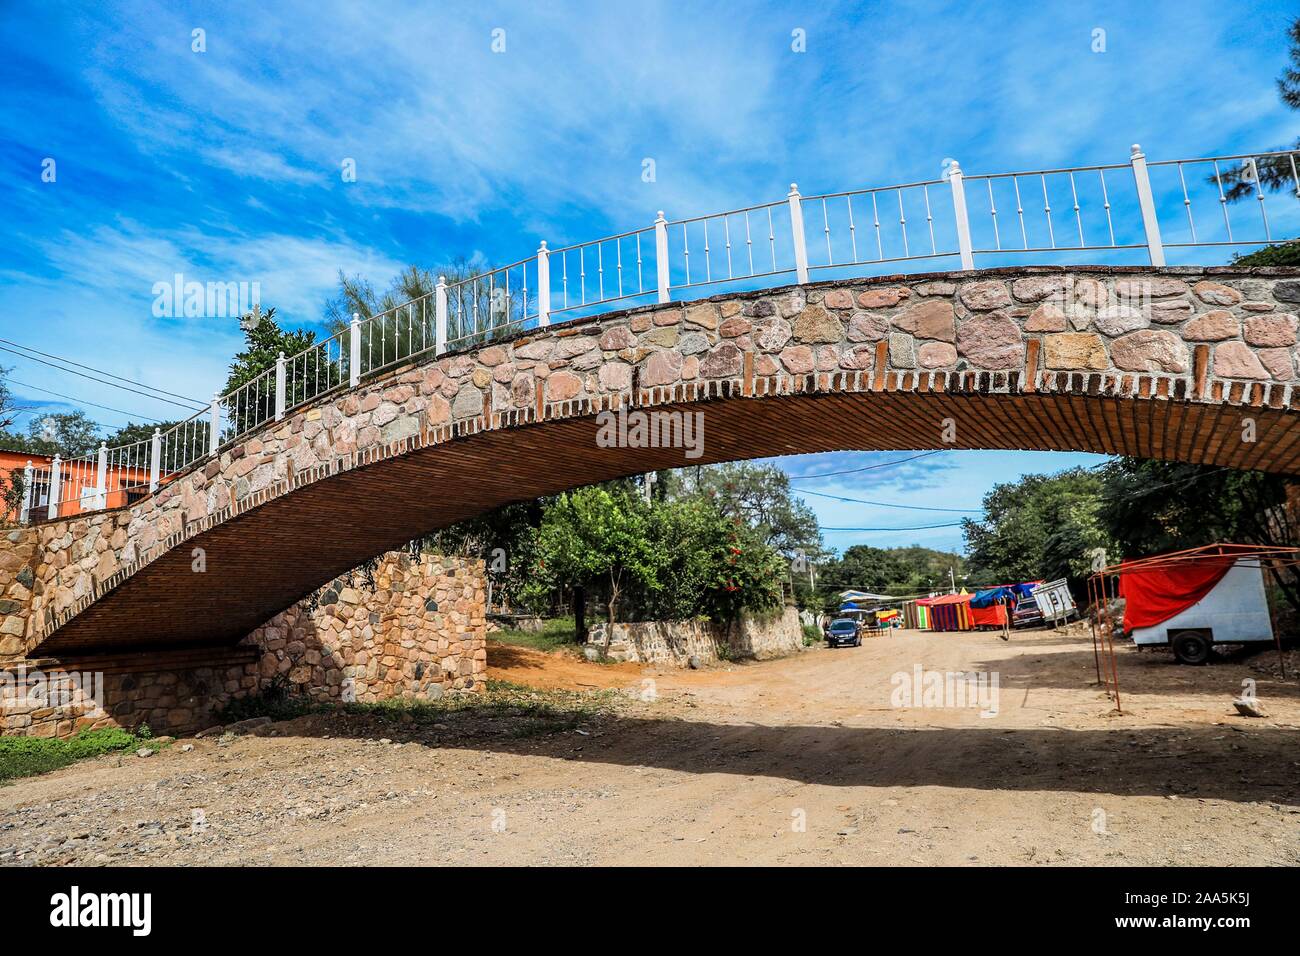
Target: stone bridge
{"type": "Point", "coordinates": [1196, 365]}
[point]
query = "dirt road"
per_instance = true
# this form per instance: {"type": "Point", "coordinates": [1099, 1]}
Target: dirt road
{"type": "Point", "coordinates": [797, 761]}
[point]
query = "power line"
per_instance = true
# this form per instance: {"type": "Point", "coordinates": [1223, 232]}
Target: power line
{"type": "Point", "coordinates": [72, 371]}
{"type": "Point", "coordinates": [71, 398]}
{"type": "Point", "coordinates": [887, 504]}
{"type": "Point", "coordinates": [924, 527]}
{"type": "Point", "coordinates": [884, 464]}
{"type": "Point", "coordinates": [100, 371]}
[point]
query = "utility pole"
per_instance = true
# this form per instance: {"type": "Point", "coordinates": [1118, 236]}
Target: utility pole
{"type": "Point", "coordinates": [952, 576]}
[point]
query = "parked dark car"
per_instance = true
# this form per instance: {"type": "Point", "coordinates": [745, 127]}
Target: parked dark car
{"type": "Point", "coordinates": [1027, 613]}
{"type": "Point", "coordinates": [844, 630]}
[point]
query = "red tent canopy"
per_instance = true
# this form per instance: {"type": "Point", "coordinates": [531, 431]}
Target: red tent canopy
{"type": "Point", "coordinates": [1155, 594]}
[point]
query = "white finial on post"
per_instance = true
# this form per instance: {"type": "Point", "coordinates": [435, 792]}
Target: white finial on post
{"type": "Point", "coordinates": [661, 255]}
{"type": "Point", "coordinates": [354, 350]}
{"type": "Point", "coordinates": [52, 509]}
{"type": "Point", "coordinates": [543, 285]}
{"type": "Point", "coordinates": [964, 248]}
{"type": "Point", "coordinates": [797, 233]}
{"type": "Point", "coordinates": [101, 477]}
{"type": "Point", "coordinates": [279, 387]}
{"type": "Point", "coordinates": [1146, 203]}
{"type": "Point", "coordinates": [25, 509]}
{"type": "Point", "coordinates": [155, 459]}
{"type": "Point", "coordinates": [440, 316]}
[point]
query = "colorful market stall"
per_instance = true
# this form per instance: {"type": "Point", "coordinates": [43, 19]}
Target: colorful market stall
{"type": "Point", "coordinates": [949, 612]}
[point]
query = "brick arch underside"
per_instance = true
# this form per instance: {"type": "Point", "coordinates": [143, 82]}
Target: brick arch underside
{"type": "Point", "coordinates": [268, 557]}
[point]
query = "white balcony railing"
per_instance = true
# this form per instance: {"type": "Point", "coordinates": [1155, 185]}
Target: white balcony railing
{"type": "Point", "coordinates": [1133, 211]}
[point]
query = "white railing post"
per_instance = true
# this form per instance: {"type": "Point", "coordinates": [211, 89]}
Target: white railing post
{"type": "Point", "coordinates": [155, 459]}
{"type": "Point", "coordinates": [279, 387]}
{"type": "Point", "coordinates": [440, 316]}
{"type": "Point", "coordinates": [661, 254]}
{"type": "Point", "coordinates": [797, 233]}
{"type": "Point", "coordinates": [964, 247]}
{"type": "Point", "coordinates": [214, 424]}
{"type": "Point", "coordinates": [543, 286]}
{"type": "Point", "coordinates": [354, 350]}
{"type": "Point", "coordinates": [52, 510]}
{"type": "Point", "coordinates": [1155, 248]}
{"type": "Point", "coordinates": [101, 477]}
{"type": "Point", "coordinates": [29, 494]}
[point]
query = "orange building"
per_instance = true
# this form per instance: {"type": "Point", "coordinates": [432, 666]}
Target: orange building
{"type": "Point", "coordinates": [78, 485]}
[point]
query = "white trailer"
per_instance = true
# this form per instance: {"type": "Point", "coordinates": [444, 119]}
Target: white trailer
{"type": "Point", "coordinates": [1055, 601]}
{"type": "Point", "coordinates": [1235, 611]}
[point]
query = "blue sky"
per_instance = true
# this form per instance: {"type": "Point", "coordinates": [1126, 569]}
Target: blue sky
{"type": "Point", "coordinates": [224, 165]}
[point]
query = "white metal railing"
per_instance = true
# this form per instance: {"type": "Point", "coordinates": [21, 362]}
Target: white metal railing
{"type": "Point", "coordinates": [1132, 207]}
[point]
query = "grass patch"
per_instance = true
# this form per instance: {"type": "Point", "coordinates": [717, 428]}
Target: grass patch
{"type": "Point", "coordinates": [28, 756]}
{"type": "Point", "coordinates": [556, 634]}
{"type": "Point", "coordinates": [812, 635]}
{"type": "Point", "coordinates": [503, 709]}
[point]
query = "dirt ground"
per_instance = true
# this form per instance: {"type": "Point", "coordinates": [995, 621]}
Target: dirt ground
{"type": "Point", "coordinates": [797, 761]}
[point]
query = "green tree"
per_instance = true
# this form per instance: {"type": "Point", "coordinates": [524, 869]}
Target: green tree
{"type": "Point", "coordinates": [479, 307]}
{"type": "Point", "coordinates": [594, 535]}
{"type": "Point", "coordinates": [505, 539]}
{"type": "Point", "coordinates": [708, 565]}
{"type": "Point", "coordinates": [896, 571]}
{"type": "Point", "coordinates": [1149, 507]}
{"type": "Point", "coordinates": [761, 497]}
{"type": "Point", "coordinates": [133, 432]}
{"type": "Point", "coordinates": [263, 344]}
{"type": "Point", "coordinates": [67, 434]}
{"type": "Point", "coordinates": [1274, 172]}
{"type": "Point", "coordinates": [9, 408]}
{"type": "Point", "coordinates": [1042, 526]}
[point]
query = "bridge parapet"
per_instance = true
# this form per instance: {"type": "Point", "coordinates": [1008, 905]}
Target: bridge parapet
{"type": "Point", "coordinates": [906, 348]}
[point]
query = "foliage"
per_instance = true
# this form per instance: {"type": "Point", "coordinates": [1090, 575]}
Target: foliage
{"type": "Point", "coordinates": [759, 496]}
{"type": "Point", "coordinates": [1283, 254]}
{"type": "Point", "coordinates": [134, 432]}
{"type": "Point", "coordinates": [1042, 526]}
{"type": "Point", "coordinates": [1155, 506]}
{"type": "Point", "coordinates": [67, 434]}
{"type": "Point", "coordinates": [11, 484]}
{"type": "Point", "coordinates": [710, 564]}
{"type": "Point", "coordinates": [505, 539]}
{"type": "Point", "coordinates": [1274, 172]}
{"type": "Point", "coordinates": [8, 407]}
{"type": "Point", "coordinates": [26, 756]}
{"type": "Point", "coordinates": [263, 344]}
{"type": "Point", "coordinates": [594, 535]}
{"type": "Point", "coordinates": [907, 570]}
{"type": "Point", "coordinates": [667, 560]}
{"type": "Point", "coordinates": [406, 311]}
{"type": "Point", "coordinates": [1048, 526]}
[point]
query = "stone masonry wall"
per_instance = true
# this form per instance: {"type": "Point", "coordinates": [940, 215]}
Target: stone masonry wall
{"type": "Point", "coordinates": [1215, 336]}
{"type": "Point", "coordinates": [17, 575]}
{"type": "Point", "coordinates": [753, 636]}
{"type": "Point", "coordinates": [408, 627]}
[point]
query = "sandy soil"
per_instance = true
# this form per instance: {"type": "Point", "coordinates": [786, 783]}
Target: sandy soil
{"type": "Point", "coordinates": [797, 761]}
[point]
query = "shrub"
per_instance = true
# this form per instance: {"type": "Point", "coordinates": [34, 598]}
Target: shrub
{"type": "Point", "coordinates": [26, 756]}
